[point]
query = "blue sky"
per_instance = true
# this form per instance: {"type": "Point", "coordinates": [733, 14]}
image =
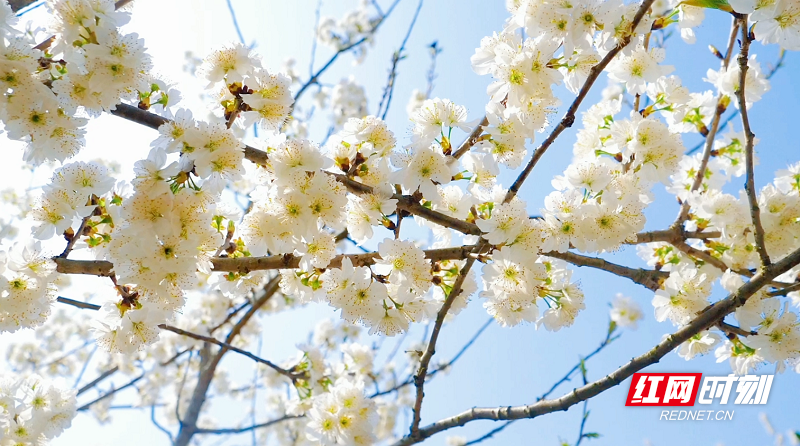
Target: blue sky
{"type": "Point", "coordinates": [505, 366]}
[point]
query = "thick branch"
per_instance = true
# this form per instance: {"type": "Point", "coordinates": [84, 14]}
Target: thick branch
{"type": "Point", "coordinates": [650, 279]}
{"type": "Point", "coordinates": [17, 5]}
{"type": "Point", "coordinates": [672, 235]}
{"type": "Point", "coordinates": [245, 265]}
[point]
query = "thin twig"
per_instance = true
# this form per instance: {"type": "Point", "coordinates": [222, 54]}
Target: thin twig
{"type": "Point", "coordinates": [315, 77]}
{"type": "Point", "coordinates": [75, 237]}
{"type": "Point", "coordinates": [735, 113]}
{"type": "Point", "coordinates": [239, 430]}
{"type": "Point", "coordinates": [158, 425]}
{"type": "Point", "coordinates": [211, 340]}
{"type": "Point", "coordinates": [749, 185]}
{"type": "Point", "coordinates": [235, 24]}
{"type": "Point", "coordinates": [441, 367]}
{"type": "Point", "coordinates": [606, 342]}
{"type": "Point", "coordinates": [388, 91]}
{"type": "Point", "coordinates": [712, 132]}
{"type": "Point", "coordinates": [471, 140]}
{"type": "Point", "coordinates": [419, 378]}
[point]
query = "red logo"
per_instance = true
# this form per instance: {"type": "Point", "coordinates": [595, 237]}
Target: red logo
{"type": "Point", "coordinates": [663, 389]}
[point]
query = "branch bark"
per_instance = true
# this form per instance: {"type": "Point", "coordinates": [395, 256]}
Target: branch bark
{"type": "Point", "coordinates": [749, 186]}
{"type": "Point", "coordinates": [287, 373]}
{"type": "Point", "coordinates": [245, 265]}
{"type": "Point", "coordinates": [241, 430]}
{"type": "Point", "coordinates": [650, 279]}
{"type": "Point", "coordinates": [422, 371]}
{"type": "Point", "coordinates": [712, 132]}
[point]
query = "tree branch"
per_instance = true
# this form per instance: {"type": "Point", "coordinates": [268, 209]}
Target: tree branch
{"type": "Point", "coordinates": [772, 71]}
{"type": "Point", "coordinates": [650, 279]}
{"type": "Point", "coordinates": [419, 378]}
{"type": "Point", "coordinates": [703, 321]}
{"type": "Point", "coordinates": [749, 185]}
{"type": "Point", "coordinates": [78, 304]}
{"type": "Point", "coordinates": [287, 373]}
{"type": "Point", "coordinates": [315, 77]}
{"type": "Point", "coordinates": [442, 367]}
{"type": "Point", "coordinates": [388, 91]}
{"type": "Point", "coordinates": [245, 265]}
{"type": "Point", "coordinates": [240, 430]}
{"type": "Point", "coordinates": [569, 118]}
{"type": "Point", "coordinates": [712, 132]}
{"type": "Point", "coordinates": [471, 140]}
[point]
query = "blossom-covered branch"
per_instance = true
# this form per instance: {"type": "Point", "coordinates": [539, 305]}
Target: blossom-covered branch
{"type": "Point", "coordinates": [706, 319]}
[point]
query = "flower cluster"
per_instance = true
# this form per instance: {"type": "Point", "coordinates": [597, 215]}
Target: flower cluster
{"type": "Point", "coordinates": [348, 100]}
{"type": "Point", "coordinates": [26, 288]}
{"type": "Point", "coordinates": [516, 282]}
{"type": "Point", "coordinates": [261, 97]}
{"type": "Point", "coordinates": [33, 411]}
{"type": "Point", "coordinates": [353, 27]}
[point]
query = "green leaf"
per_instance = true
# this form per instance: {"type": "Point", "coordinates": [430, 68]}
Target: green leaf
{"type": "Point", "coordinates": [722, 5]}
{"type": "Point", "coordinates": [591, 435]}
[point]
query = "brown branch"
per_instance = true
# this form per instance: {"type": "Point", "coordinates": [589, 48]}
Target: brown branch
{"type": "Point", "coordinates": [672, 235]}
{"type": "Point", "coordinates": [708, 258]}
{"type": "Point", "coordinates": [100, 268]}
{"type": "Point", "coordinates": [749, 185]}
{"type": "Point", "coordinates": [712, 132]}
{"type": "Point", "coordinates": [245, 265]}
{"type": "Point", "coordinates": [703, 321]}
{"type": "Point", "coordinates": [650, 279]}
{"type": "Point", "coordinates": [422, 371]}
{"type": "Point", "coordinates": [240, 430]}
{"type": "Point", "coordinates": [728, 328]}
{"type": "Point", "coordinates": [260, 157]}
{"type": "Point", "coordinates": [75, 236]}
{"type": "Point", "coordinates": [786, 290]}
{"type": "Point", "coordinates": [471, 140]}
{"type": "Point", "coordinates": [569, 118]}
{"type": "Point", "coordinates": [287, 373]}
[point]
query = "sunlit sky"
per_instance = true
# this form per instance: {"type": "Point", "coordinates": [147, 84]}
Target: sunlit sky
{"type": "Point", "coordinates": [505, 366]}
